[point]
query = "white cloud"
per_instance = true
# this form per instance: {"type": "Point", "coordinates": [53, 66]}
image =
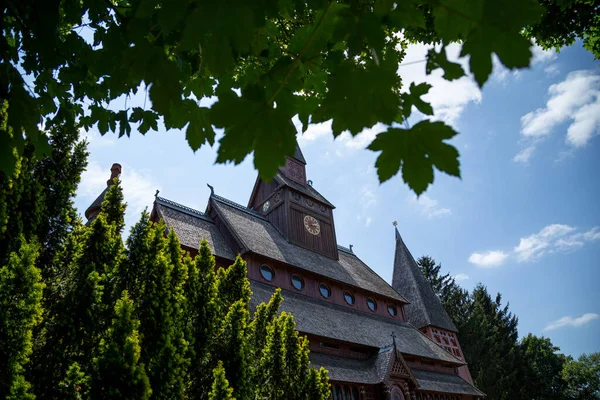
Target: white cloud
{"type": "Point", "coordinates": [138, 186]}
{"type": "Point", "coordinates": [429, 207]}
{"type": "Point", "coordinates": [571, 321]}
{"type": "Point", "coordinates": [552, 70]}
{"type": "Point", "coordinates": [553, 238]}
{"type": "Point", "coordinates": [534, 246]}
{"type": "Point", "coordinates": [541, 56]}
{"type": "Point", "coordinates": [368, 198]}
{"type": "Point", "coordinates": [488, 259]}
{"type": "Point", "coordinates": [525, 154]}
{"type": "Point", "coordinates": [461, 277]}
{"type": "Point", "coordinates": [363, 139]}
{"type": "Point", "coordinates": [368, 221]}
{"type": "Point", "coordinates": [576, 99]}
{"type": "Point", "coordinates": [448, 99]}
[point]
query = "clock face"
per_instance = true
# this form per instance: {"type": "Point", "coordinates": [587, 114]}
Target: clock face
{"type": "Point", "coordinates": [312, 225]}
{"type": "Point", "coordinates": [266, 206]}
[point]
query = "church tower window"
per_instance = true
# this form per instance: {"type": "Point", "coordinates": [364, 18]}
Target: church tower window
{"type": "Point", "coordinates": [325, 291]}
{"type": "Point", "coordinates": [349, 297]}
{"type": "Point", "coordinates": [297, 282]}
{"type": "Point", "coordinates": [267, 272]}
{"type": "Point", "coordinates": [371, 304]}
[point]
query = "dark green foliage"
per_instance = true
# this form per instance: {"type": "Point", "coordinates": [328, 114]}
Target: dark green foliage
{"type": "Point", "coordinates": [544, 367]}
{"type": "Point", "coordinates": [220, 387]}
{"type": "Point", "coordinates": [21, 304]}
{"type": "Point", "coordinates": [321, 60]}
{"type": "Point", "coordinates": [118, 372]}
{"type": "Point", "coordinates": [565, 21]}
{"type": "Point", "coordinates": [233, 285]}
{"type": "Point", "coordinates": [582, 377]}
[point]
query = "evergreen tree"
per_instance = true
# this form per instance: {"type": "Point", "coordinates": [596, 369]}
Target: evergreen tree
{"type": "Point", "coordinates": [233, 350]}
{"type": "Point", "coordinates": [118, 371]}
{"type": "Point", "coordinates": [202, 318]}
{"type": "Point", "coordinates": [220, 388]}
{"type": "Point", "coordinates": [20, 301]}
{"type": "Point", "coordinates": [233, 285]}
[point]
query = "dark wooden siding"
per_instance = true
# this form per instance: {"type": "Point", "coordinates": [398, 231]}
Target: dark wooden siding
{"type": "Point", "coordinates": [323, 243]}
{"type": "Point", "coordinates": [263, 191]}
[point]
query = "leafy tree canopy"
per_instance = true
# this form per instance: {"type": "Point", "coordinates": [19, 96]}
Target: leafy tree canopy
{"type": "Point", "coordinates": [266, 62]}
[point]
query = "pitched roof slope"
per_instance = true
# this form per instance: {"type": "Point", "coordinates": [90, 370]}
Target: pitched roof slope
{"type": "Point", "coordinates": [444, 383]}
{"type": "Point", "coordinates": [341, 369]}
{"type": "Point", "coordinates": [425, 307]}
{"type": "Point", "coordinates": [260, 237]}
{"type": "Point", "coordinates": [191, 226]}
{"type": "Point", "coordinates": [328, 320]}
{"type": "Point", "coordinates": [306, 189]}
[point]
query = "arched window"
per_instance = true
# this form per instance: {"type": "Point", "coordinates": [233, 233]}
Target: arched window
{"type": "Point", "coordinates": [325, 291]}
{"type": "Point", "coordinates": [267, 272]}
{"type": "Point", "coordinates": [349, 298]}
{"type": "Point", "coordinates": [371, 304]}
{"type": "Point", "coordinates": [297, 282]}
{"type": "Point", "coordinates": [392, 310]}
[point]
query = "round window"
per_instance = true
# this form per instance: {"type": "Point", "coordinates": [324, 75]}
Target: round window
{"type": "Point", "coordinates": [325, 291]}
{"type": "Point", "coordinates": [371, 304]}
{"type": "Point", "coordinates": [392, 310]}
{"type": "Point", "coordinates": [297, 282]}
{"type": "Point", "coordinates": [349, 298]}
{"type": "Point", "coordinates": [267, 272]}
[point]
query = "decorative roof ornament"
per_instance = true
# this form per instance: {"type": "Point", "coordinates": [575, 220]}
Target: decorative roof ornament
{"type": "Point", "coordinates": [310, 183]}
{"type": "Point", "coordinates": [212, 189]}
{"type": "Point", "coordinates": [395, 223]}
{"type": "Point", "coordinates": [351, 246]}
{"type": "Point", "coordinates": [393, 335]}
{"type": "Point", "coordinates": [156, 194]}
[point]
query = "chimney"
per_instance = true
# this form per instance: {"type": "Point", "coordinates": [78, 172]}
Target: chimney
{"type": "Point", "coordinates": [94, 209]}
{"type": "Point", "coordinates": [115, 171]}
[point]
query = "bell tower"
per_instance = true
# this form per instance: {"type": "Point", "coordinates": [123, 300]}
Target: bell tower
{"type": "Point", "coordinates": [298, 211]}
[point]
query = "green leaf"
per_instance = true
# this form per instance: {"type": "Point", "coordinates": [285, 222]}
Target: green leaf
{"type": "Point", "coordinates": [416, 150]}
{"type": "Point", "coordinates": [358, 98]}
{"type": "Point", "coordinates": [413, 98]}
{"type": "Point", "coordinates": [200, 131]}
{"type": "Point", "coordinates": [437, 60]}
{"type": "Point", "coordinates": [251, 125]}
{"type": "Point", "coordinates": [454, 19]}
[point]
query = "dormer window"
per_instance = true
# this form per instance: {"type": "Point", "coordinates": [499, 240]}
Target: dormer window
{"type": "Point", "coordinates": [267, 272]}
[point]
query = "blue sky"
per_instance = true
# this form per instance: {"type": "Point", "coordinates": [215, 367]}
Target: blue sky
{"type": "Point", "coordinates": [524, 220]}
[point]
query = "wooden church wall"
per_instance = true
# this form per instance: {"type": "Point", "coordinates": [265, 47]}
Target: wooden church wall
{"type": "Point", "coordinates": [323, 243]}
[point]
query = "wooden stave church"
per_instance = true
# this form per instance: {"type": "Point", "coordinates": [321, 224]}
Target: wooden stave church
{"type": "Point", "coordinates": [378, 341]}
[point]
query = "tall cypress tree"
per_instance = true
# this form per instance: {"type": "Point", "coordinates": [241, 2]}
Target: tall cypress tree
{"type": "Point", "coordinates": [20, 301]}
{"type": "Point", "coordinates": [220, 389]}
{"type": "Point", "coordinates": [202, 319]}
{"type": "Point", "coordinates": [118, 372]}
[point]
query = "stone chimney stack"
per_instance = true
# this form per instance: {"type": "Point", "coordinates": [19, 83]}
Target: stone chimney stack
{"type": "Point", "coordinates": [115, 171]}
{"type": "Point", "coordinates": [94, 209]}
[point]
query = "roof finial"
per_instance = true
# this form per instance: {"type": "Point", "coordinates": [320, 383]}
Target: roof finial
{"type": "Point", "coordinates": [156, 194]}
{"type": "Point", "coordinates": [115, 171]}
{"type": "Point", "coordinates": [394, 338]}
{"type": "Point", "coordinates": [310, 183]}
{"type": "Point", "coordinates": [212, 189]}
{"type": "Point", "coordinates": [351, 248]}
{"type": "Point", "coordinates": [395, 223]}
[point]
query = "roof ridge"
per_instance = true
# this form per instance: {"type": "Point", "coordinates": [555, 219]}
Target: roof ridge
{"type": "Point", "coordinates": [238, 206]}
{"type": "Point", "coordinates": [345, 249]}
{"type": "Point", "coordinates": [180, 207]}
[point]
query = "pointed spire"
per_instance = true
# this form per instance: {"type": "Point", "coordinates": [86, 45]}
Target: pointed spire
{"type": "Point", "coordinates": [425, 307]}
{"type": "Point", "coordinates": [298, 154]}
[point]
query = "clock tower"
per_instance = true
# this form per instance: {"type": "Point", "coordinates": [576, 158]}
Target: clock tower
{"type": "Point", "coordinates": [298, 211]}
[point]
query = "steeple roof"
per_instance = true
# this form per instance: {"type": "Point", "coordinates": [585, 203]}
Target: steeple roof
{"type": "Point", "coordinates": [425, 307]}
{"type": "Point", "coordinates": [298, 154]}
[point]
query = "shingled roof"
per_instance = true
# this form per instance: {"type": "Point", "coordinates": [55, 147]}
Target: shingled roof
{"type": "Point", "coordinates": [320, 318]}
{"type": "Point", "coordinates": [259, 236]}
{"type": "Point", "coordinates": [444, 383]}
{"type": "Point", "coordinates": [191, 226]}
{"type": "Point", "coordinates": [371, 371]}
{"type": "Point", "coordinates": [306, 189]}
{"type": "Point", "coordinates": [425, 307]}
